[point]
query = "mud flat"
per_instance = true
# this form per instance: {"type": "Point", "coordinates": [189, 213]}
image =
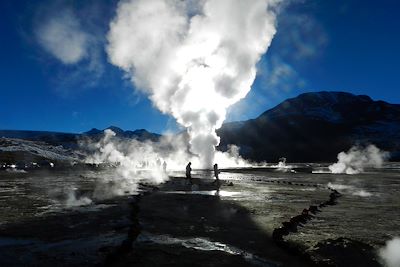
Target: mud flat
{"type": "Point", "coordinates": [201, 223]}
{"type": "Point", "coordinates": [234, 224]}
{"type": "Point", "coordinates": [71, 238]}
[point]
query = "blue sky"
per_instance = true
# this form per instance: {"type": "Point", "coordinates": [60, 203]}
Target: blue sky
{"type": "Point", "coordinates": [333, 45]}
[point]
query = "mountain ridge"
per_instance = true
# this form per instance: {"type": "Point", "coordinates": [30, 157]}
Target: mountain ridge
{"type": "Point", "coordinates": [310, 127]}
{"type": "Point", "coordinates": [57, 136]}
{"type": "Point", "coordinates": [315, 127]}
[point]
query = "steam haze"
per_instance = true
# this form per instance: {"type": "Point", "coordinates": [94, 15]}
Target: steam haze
{"type": "Point", "coordinates": [137, 161]}
{"type": "Point", "coordinates": [357, 159]}
{"type": "Point", "coordinates": [390, 254]}
{"type": "Point", "coordinates": [194, 60]}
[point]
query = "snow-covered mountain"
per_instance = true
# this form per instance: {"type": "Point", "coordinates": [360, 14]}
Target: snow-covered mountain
{"type": "Point", "coordinates": [61, 149]}
{"type": "Point", "coordinates": [34, 154]}
{"type": "Point", "coordinates": [70, 140]}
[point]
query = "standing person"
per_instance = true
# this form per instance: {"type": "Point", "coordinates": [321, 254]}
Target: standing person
{"type": "Point", "coordinates": [158, 162]}
{"type": "Point", "coordinates": [189, 171]}
{"type": "Point", "coordinates": [216, 172]}
{"type": "Point", "coordinates": [164, 166]}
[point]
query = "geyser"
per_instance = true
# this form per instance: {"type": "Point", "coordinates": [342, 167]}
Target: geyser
{"type": "Point", "coordinates": [193, 58]}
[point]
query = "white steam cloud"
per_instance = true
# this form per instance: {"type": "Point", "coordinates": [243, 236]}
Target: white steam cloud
{"type": "Point", "coordinates": [357, 159]}
{"type": "Point", "coordinates": [62, 36]}
{"type": "Point", "coordinates": [390, 254]}
{"type": "Point", "coordinates": [194, 58]}
{"type": "Point", "coordinates": [350, 189]}
{"type": "Point", "coordinates": [136, 161]}
{"type": "Point", "coordinates": [74, 201]}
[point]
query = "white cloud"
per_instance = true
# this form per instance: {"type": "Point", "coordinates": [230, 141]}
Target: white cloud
{"type": "Point", "coordinates": [74, 35]}
{"type": "Point", "coordinates": [61, 35]}
{"type": "Point", "coordinates": [279, 76]}
{"type": "Point", "coordinates": [301, 36]}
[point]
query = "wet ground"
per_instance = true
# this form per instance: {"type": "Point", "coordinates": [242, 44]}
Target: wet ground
{"type": "Point", "coordinates": [200, 224]}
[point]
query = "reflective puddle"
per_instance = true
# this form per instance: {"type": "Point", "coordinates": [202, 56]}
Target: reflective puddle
{"type": "Point", "coordinates": [204, 244]}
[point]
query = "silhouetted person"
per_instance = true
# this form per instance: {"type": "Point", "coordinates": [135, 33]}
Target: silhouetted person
{"type": "Point", "coordinates": [216, 172]}
{"type": "Point", "coordinates": [164, 166]}
{"type": "Point", "coordinates": [189, 171]}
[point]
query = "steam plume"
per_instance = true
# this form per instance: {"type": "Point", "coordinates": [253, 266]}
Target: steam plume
{"type": "Point", "coordinates": [194, 58]}
{"type": "Point", "coordinates": [73, 201]}
{"type": "Point", "coordinates": [137, 161]}
{"type": "Point", "coordinates": [350, 189]}
{"type": "Point", "coordinates": [357, 159]}
{"type": "Point", "coordinates": [131, 153]}
{"type": "Point", "coordinates": [131, 159]}
{"type": "Point", "coordinates": [390, 254]}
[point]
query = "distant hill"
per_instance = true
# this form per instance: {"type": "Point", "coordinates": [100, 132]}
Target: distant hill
{"type": "Point", "coordinates": [316, 127]}
{"type": "Point", "coordinates": [67, 140]}
{"type": "Point", "coordinates": [24, 147]}
{"type": "Point", "coordinates": [140, 134]}
{"type": "Point", "coordinates": [23, 152]}
{"type": "Point", "coordinates": [70, 140]}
